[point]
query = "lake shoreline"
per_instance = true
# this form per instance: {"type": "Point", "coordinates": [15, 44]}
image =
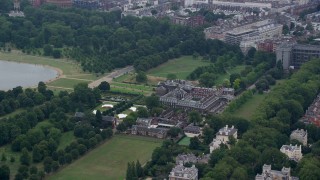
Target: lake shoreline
{"type": "Point", "coordinates": [59, 72]}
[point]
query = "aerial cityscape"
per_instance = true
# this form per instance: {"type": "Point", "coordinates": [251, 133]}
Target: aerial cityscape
{"type": "Point", "coordinates": [160, 89]}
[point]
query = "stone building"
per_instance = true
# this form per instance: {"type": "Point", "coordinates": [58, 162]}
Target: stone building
{"type": "Point", "coordinates": [269, 174]}
{"type": "Point", "coordinates": [182, 94]}
{"type": "Point", "coordinates": [312, 115]}
{"type": "Point", "coordinates": [191, 158]}
{"type": "Point", "coordinates": [192, 130]}
{"type": "Point", "coordinates": [179, 172]}
{"type": "Point", "coordinates": [224, 134]}
{"type": "Point", "coordinates": [293, 152]}
{"type": "Point", "coordinates": [300, 135]}
{"type": "Point", "coordinates": [160, 133]}
{"type": "Point", "coordinates": [223, 137]}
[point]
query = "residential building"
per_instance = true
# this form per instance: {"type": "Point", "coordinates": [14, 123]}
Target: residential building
{"type": "Point", "coordinates": [193, 21]}
{"type": "Point", "coordinates": [269, 174]}
{"type": "Point", "coordinates": [215, 144]}
{"type": "Point", "coordinates": [179, 172]}
{"type": "Point", "coordinates": [300, 135]}
{"type": "Point", "coordinates": [224, 134]}
{"type": "Point", "coordinates": [223, 137]}
{"type": "Point", "coordinates": [293, 152]}
{"type": "Point", "coordinates": [191, 158]}
{"type": "Point", "coordinates": [192, 130]}
{"type": "Point", "coordinates": [257, 32]}
{"type": "Point", "coordinates": [60, 3]}
{"type": "Point", "coordinates": [160, 133]}
{"type": "Point", "coordinates": [312, 115]}
{"type": "Point", "coordinates": [293, 55]}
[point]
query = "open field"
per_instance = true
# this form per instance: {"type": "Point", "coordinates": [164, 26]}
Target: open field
{"type": "Point", "coordinates": [181, 67]}
{"type": "Point", "coordinates": [65, 83]}
{"type": "Point", "coordinates": [248, 109]}
{"type": "Point", "coordinates": [109, 161]}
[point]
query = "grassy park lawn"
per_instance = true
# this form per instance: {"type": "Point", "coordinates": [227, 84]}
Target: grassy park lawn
{"type": "Point", "coordinates": [185, 141]}
{"type": "Point", "coordinates": [109, 161]}
{"type": "Point", "coordinates": [248, 109]}
{"type": "Point", "coordinates": [66, 139]}
{"type": "Point", "coordinates": [65, 83]}
{"type": "Point", "coordinates": [18, 111]}
{"type": "Point", "coordinates": [181, 67]}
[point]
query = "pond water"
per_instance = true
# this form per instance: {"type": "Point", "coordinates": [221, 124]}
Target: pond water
{"type": "Point", "coordinates": [13, 74]}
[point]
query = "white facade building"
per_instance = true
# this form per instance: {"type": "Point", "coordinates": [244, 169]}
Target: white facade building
{"type": "Point", "coordinates": [300, 135]}
{"type": "Point", "coordinates": [293, 152]}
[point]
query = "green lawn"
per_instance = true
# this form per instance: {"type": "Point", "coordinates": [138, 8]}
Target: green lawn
{"type": "Point", "coordinates": [12, 165]}
{"type": "Point", "coordinates": [133, 86]}
{"type": "Point", "coordinates": [181, 67]}
{"type": "Point", "coordinates": [247, 109]}
{"type": "Point", "coordinates": [185, 141]}
{"type": "Point", "coordinates": [109, 161]}
{"type": "Point", "coordinates": [66, 83]}
{"type": "Point", "coordinates": [18, 111]}
{"type": "Point", "coordinates": [66, 139]}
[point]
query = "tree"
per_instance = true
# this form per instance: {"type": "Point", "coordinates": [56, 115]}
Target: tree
{"type": "Point", "coordinates": [174, 132]}
{"type": "Point", "coordinates": [152, 102]}
{"type": "Point", "coordinates": [47, 50]}
{"type": "Point", "coordinates": [25, 157]}
{"type": "Point", "coordinates": [141, 77]}
{"type": "Point", "coordinates": [142, 112]}
{"type": "Point", "coordinates": [194, 117]}
{"type": "Point", "coordinates": [208, 79]}
{"type": "Point", "coordinates": [154, 12]}
{"type": "Point", "coordinates": [139, 170]}
{"type": "Point", "coordinates": [56, 53]}
{"type": "Point", "coordinates": [4, 172]}
{"type": "Point", "coordinates": [104, 86]}
{"type": "Point", "coordinates": [194, 143]}
{"type": "Point", "coordinates": [3, 157]}
{"type": "Point", "coordinates": [171, 76]}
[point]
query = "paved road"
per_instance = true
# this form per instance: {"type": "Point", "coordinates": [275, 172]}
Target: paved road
{"type": "Point", "coordinates": [114, 74]}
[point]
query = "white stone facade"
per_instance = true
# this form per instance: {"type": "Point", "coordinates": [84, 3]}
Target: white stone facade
{"type": "Point", "coordinates": [300, 135]}
{"type": "Point", "coordinates": [293, 152]}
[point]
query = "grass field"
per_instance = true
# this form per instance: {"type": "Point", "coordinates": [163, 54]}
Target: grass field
{"type": "Point", "coordinates": [185, 141]}
{"type": "Point", "coordinates": [109, 161]}
{"type": "Point", "coordinates": [181, 67]}
{"type": "Point", "coordinates": [66, 139]}
{"type": "Point", "coordinates": [66, 83]}
{"type": "Point", "coordinates": [248, 109]}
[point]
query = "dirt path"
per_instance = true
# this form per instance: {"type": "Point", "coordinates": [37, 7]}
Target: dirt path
{"type": "Point", "coordinates": [114, 74]}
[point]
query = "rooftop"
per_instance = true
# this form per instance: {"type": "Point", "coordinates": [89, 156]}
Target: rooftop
{"type": "Point", "coordinates": [226, 131]}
